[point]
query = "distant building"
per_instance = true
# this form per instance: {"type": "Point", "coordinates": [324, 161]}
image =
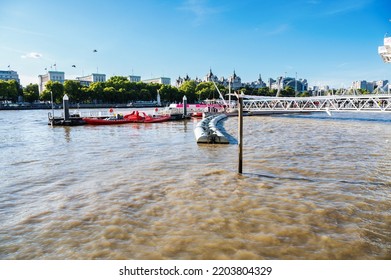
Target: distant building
{"type": "Point", "coordinates": [236, 81]}
{"type": "Point", "coordinates": [300, 85]}
{"type": "Point", "coordinates": [180, 80]}
{"type": "Point", "coordinates": [7, 75]}
{"type": "Point", "coordinates": [211, 77]}
{"type": "Point", "coordinates": [134, 79]}
{"type": "Point", "coordinates": [56, 76]}
{"type": "Point", "coordinates": [272, 84]}
{"type": "Point", "coordinates": [93, 78]}
{"type": "Point", "coordinates": [381, 83]}
{"type": "Point", "coordinates": [319, 90]}
{"type": "Point", "coordinates": [257, 84]}
{"type": "Point", "coordinates": [371, 86]}
{"type": "Point", "coordinates": [161, 80]}
{"type": "Point", "coordinates": [364, 85]}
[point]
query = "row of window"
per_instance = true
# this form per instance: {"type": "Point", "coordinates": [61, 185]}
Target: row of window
{"type": "Point", "coordinates": [2, 77]}
{"type": "Point", "coordinates": [57, 78]}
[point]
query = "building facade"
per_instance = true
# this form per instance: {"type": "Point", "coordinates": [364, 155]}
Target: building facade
{"type": "Point", "coordinates": [364, 85]}
{"type": "Point", "coordinates": [257, 84]}
{"type": "Point", "coordinates": [210, 77]}
{"type": "Point", "coordinates": [134, 79]}
{"type": "Point", "coordinates": [93, 78]}
{"type": "Point", "coordinates": [381, 85]}
{"type": "Point", "coordinates": [55, 76]}
{"type": "Point", "coordinates": [161, 80]}
{"type": "Point", "coordinates": [299, 85]}
{"type": "Point", "coordinates": [7, 75]}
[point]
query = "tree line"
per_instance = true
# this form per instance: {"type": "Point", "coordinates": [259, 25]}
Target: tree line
{"type": "Point", "coordinates": [118, 89]}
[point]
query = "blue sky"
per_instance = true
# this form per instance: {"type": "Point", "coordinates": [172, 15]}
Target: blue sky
{"type": "Point", "coordinates": [327, 42]}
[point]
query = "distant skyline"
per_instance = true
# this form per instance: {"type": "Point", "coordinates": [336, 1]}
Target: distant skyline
{"type": "Point", "coordinates": [326, 42]}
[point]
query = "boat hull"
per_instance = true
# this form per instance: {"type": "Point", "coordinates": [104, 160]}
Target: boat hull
{"type": "Point", "coordinates": [97, 121]}
{"type": "Point", "coordinates": [130, 118]}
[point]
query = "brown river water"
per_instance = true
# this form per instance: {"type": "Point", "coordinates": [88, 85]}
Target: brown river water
{"type": "Point", "coordinates": [313, 187]}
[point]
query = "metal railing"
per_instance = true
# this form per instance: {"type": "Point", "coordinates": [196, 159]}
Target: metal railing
{"type": "Point", "coordinates": [342, 103]}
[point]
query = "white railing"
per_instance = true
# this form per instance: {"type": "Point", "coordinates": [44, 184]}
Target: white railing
{"type": "Point", "coordinates": [342, 103]}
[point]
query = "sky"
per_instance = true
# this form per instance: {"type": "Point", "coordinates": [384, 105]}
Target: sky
{"type": "Point", "coordinates": [326, 42]}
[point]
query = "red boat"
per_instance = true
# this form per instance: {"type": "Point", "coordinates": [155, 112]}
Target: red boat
{"type": "Point", "coordinates": [144, 118]}
{"type": "Point", "coordinates": [103, 121]}
{"type": "Point", "coordinates": [197, 115]}
{"type": "Point", "coordinates": [134, 117]}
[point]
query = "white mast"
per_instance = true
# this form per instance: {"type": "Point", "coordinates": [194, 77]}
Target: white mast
{"type": "Point", "coordinates": [221, 96]}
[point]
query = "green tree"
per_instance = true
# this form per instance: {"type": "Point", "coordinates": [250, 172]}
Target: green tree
{"type": "Point", "coordinates": [109, 95]}
{"type": "Point", "coordinates": [73, 90]}
{"type": "Point", "coordinates": [96, 91]}
{"type": "Point", "coordinates": [265, 91]}
{"type": "Point", "coordinates": [170, 94]}
{"type": "Point", "coordinates": [145, 94]}
{"type": "Point", "coordinates": [205, 90]}
{"type": "Point", "coordinates": [188, 88]}
{"type": "Point", "coordinates": [152, 88]}
{"type": "Point", "coordinates": [9, 90]}
{"type": "Point", "coordinates": [304, 94]}
{"type": "Point", "coordinates": [31, 93]}
{"type": "Point", "coordinates": [56, 88]}
{"type": "Point", "coordinates": [118, 82]}
{"type": "Point", "coordinates": [288, 92]}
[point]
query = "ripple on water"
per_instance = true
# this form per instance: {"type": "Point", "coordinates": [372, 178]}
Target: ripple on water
{"type": "Point", "coordinates": [310, 191]}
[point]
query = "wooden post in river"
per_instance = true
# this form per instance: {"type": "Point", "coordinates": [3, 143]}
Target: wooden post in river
{"type": "Point", "coordinates": [240, 136]}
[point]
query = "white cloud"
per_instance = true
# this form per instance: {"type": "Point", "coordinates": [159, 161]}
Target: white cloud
{"type": "Point", "coordinates": [200, 9]}
{"type": "Point", "coordinates": [33, 55]}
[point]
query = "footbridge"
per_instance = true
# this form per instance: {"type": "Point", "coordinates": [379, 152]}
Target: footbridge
{"type": "Point", "coordinates": [339, 103]}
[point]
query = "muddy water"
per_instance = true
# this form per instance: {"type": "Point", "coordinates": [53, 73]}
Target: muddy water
{"type": "Point", "coordinates": [313, 187]}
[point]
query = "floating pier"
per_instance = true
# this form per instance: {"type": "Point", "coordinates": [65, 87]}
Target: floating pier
{"type": "Point", "coordinates": [207, 132]}
{"type": "Point", "coordinates": [67, 119]}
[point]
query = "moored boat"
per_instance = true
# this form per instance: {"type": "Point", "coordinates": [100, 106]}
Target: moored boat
{"type": "Point", "coordinates": [134, 117]}
{"type": "Point", "coordinates": [144, 118]}
{"type": "Point", "coordinates": [106, 121]}
{"type": "Point", "coordinates": [197, 114]}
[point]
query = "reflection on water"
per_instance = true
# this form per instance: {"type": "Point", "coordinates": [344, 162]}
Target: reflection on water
{"type": "Point", "coordinates": [312, 188]}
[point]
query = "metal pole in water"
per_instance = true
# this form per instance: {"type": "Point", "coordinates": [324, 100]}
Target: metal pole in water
{"type": "Point", "coordinates": [65, 102]}
{"type": "Point", "coordinates": [240, 136]}
{"type": "Point", "coordinates": [51, 100]}
{"type": "Point", "coordinates": [184, 106]}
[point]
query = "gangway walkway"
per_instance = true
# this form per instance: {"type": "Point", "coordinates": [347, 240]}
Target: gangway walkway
{"type": "Point", "coordinates": [340, 103]}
